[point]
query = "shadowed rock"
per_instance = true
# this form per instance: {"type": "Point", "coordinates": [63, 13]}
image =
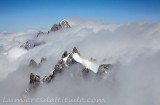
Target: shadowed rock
{"type": "Point", "coordinates": [75, 50]}
{"type": "Point", "coordinates": [55, 27]}
{"type": "Point", "coordinates": [65, 24]}
{"type": "Point", "coordinates": [65, 54]}
{"type": "Point", "coordinates": [49, 78]}
{"type": "Point", "coordinates": [70, 61]}
{"type": "Point", "coordinates": [61, 25]}
{"type": "Point", "coordinates": [39, 33]}
{"type": "Point", "coordinates": [34, 64]}
{"type": "Point", "coordinates": [85, 72]}
{"type": "Point", "coordinates": [34, 78]}
{"type": "Point", "coordinates": [34, 81]}
{"type": "Point", "coordinates": [59, 68]}
{"type": "Point", "coordinates": [104, 68]}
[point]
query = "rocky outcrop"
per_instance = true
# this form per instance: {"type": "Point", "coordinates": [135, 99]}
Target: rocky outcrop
{"type": "Point", "coordinates": [31, 44]}
{"type": "Point", "coordinates": [65, 54]}
{"type": "Point", "coordinates": [34, 64]}
{"type": "Point", "coordinates": [75, 51]}
{"type": "Point", "coordinates": [61, 25]}
{"type": "Point", "coordinates": [55, 27]}
{"type": "Point", "coordinates": [103, 70]}
{"type": "Point", "coordinates": [49, 78]}
{"type": "Point", "coordinates": [40, 33]}
{"type": "Point", "coordinates": [64, 24]}
{"type": "Point", "coordinates": [34, 81]}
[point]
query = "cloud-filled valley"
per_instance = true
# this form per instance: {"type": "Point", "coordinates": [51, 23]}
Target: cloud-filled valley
{"type": "Point", "coordinates": [133, 49]}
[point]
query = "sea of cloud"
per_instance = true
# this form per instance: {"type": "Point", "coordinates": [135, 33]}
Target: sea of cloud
{"type": "Point", "coordinates": [133, 48]}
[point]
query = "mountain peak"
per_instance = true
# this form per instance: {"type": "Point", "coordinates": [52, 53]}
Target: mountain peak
{"type": "Point", "coordinates": [62, 21]}
{"type": "Point", "coordinates": [62, 24]}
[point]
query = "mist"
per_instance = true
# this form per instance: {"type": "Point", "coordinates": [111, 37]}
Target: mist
{"type": "Point", "coordinates": [133, 48]}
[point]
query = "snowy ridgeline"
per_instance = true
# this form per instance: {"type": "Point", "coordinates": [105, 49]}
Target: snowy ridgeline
{"type": "Point", "coordinates": [87, 68]}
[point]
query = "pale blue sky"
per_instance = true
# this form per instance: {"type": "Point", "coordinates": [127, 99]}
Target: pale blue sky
{"type": "Point", "coordinates": [20, 15]}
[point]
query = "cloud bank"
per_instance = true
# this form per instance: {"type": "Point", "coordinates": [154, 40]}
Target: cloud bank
{"type": "Point", "coordinates": [133, 48]}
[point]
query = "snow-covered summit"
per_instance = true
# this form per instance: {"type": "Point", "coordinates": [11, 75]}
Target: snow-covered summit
{"type": "Point", "coordinates": [88, 64]}
{"type": "Point", "coordinates": [64, 20]}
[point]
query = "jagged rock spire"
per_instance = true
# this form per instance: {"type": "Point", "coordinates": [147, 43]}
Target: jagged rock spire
{"type": "Point", "coordinates": [75, 50]}
{"type": "Point", "coordinates": [65, 54]}
{"type": "Point", "coordinates": [34, 78]}
{"type": "Point", "coordinates": [55, 27]}
{"type": "Point", "coordinates": [62, 24]}
{"type": "Point", "coordinates": [65, 23]}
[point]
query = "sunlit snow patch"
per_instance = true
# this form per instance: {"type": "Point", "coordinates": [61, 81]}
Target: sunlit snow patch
{"type": "Point", "coordinates": [86, 63]}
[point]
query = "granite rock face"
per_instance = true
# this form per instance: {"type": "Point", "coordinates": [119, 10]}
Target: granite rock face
{"type": "Point", "coordinates": [61, 25]}
{"type": "Point", "coordinates": [40, 33]}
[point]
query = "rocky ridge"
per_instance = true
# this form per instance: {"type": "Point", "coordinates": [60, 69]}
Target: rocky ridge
{"type": "Point", "coordinates": [29, 44]}
{"type": "Point", "coordinates": [67, 61]}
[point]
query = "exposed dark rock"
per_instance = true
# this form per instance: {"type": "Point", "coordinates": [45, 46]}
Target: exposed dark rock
{"type": "Point", "coordinates": [59, 68]}
{"type": "Point", "coordinates": [62, 24]}
{"type": "Point", "coordinates": [65, 24]}
{"type": "Point", "coordinates": [39, 33]}
{"type": "Point", "coordinates": [48, 78]}
{"type": "Point", "coordinates": [75, 50]}
{"type": "Point", "coordinates": [65, 54]}
{"type": "Point", "coordinates": [70, 61]}
{"type": "Point", "coordinates": [34, 80]}
{"type": "Point", "coordinates": [34, 64]}
{"type": "Point", "coordinates": [56, 27]}
{"type": "Point", "coordinates": [104, 68]}
{"type": "Point", "coordinates": [85, 72]}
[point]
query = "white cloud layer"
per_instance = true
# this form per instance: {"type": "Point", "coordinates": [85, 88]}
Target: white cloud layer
{"type": "Point", "coordinates": [134, 49]}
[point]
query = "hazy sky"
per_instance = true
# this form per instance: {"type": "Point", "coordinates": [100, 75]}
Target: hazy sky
{"type": "Point", "coordinates": [20, 15]}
